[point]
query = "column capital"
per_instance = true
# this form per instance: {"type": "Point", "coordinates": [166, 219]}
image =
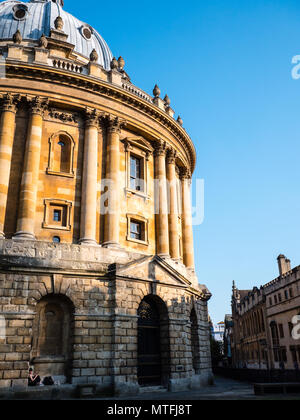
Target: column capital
{"type": "Point", "coordinates": [114, 124]}
{"type": "Point", "coordinates": [160, 148]}
{"type": "Point", "coordinates": [38, 105]}
{"type": "Point", "coordinates": [171, 156]}
{"type": "Point", "coordinates": [10, 102]}
{"type": "Point", "coordinates": [92, 117]}
{"type": "Point", "coordinates": [185, 173]}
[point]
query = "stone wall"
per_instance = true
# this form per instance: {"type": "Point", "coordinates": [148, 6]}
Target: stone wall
{"type": "Point", "coordinates": [104, 339]}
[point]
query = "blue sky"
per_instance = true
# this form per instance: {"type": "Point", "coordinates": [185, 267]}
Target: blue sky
{"type": "Point", "coordinates": [226, 65]}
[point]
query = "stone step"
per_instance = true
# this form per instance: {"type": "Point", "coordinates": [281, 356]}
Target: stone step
{"type": "Point", "coordinates": [149, 389]}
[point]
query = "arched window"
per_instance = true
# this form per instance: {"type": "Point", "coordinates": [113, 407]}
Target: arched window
{"type": "Point", "coordinates": [61, 154]}
{"type": "Point", "coordinates": [52, 333]}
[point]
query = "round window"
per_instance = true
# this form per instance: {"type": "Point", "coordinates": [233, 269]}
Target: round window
{"type": "Point", "coordinates": [20, 12]}
{"type": "Point", "coordinates": [56, 239]}
{"type": "Point", "coordinates": [86, 32]}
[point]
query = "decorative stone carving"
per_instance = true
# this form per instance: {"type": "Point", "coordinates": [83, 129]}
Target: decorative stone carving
{"type": "Point", "coordinates": [179, 120]}
{"type": "Point", "coordinates": [185, 173]}
{"type": "Point", "coordinates": [167, 101]}
{"type": "Point", "coordinates": [43, 42]}
{"type": "Point", "coordinates": [38, 105]}
{"type": "Point", "coordinates": [63, 116]}
{"type": "Point", "coordinates": [121, 63]}
{"type": "Point", "coordinates": [160, 148]}
{"type": "Point", "coordinates": [94, 57]}
{"type": "Point", "coordinates": [17, 38]}
{"type": "Point", "coordinates": [9, 102]}
{"type": "Point", "coordinates": [92, 117]}
{"type": "Point", "coordinates": [114, 64]}
{"type": "Point", "coordinates": [156, 91]}
{"type": "Point", "coordinates": [115, 124]}
{"type": "Point", "coordinates": [59, 23]}
{"type": "Point", "coordinates": [109, 91]}
{"type": "Point", "coordinates": [171, 156]}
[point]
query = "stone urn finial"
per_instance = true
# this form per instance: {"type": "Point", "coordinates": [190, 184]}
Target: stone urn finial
{"type": "Point", "coordinates": [43, 41]}
{"type": "Point", "coordinates": [94, 56]}
{"type": "Point", "coordinates": [156, 91]}
{"type": "Point", "coordinates": [114, 64]}
{"type": "Point", "coordinates": [121, 63]}
{"type": "Point", "coordinates": [17, 37]}
{"type": "Point", "coordinates": [167, 100]}
{"type": "Point", "coordinates": [59, 23]}
{"type": "Point", "coordinates": [179, 120]}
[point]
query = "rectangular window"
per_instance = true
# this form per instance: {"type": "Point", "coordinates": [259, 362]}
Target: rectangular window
{"type": "Point", "coordinates": [57, 215]}
{"type": "Point", "coordinates": [281, 331]}
{"type": "Point", "coordinates": [270, 302]}
{"type": "Point", "coordinates": [286, 294]}
{"type": "Point", "coordinates": [136, 181]}
{"type": "Point", "coordinates": [279, 297]}
{"type": "Point", "coordinates": [291, 293]}
{"type": "Point", "coordinates": [275, 299]}
{"type": "Point", "coordinates": [136, 230]}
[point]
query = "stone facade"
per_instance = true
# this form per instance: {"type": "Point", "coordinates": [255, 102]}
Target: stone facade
{"type": "Point", "coordinates": [74, 277]}
{"type": "Point", "coordinates": [265, 323]}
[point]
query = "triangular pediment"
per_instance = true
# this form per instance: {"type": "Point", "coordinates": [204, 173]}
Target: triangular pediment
{"type": "Point", "coordinates": [139, 142]}
{"type": "Point", "coordinates": [153, 269]}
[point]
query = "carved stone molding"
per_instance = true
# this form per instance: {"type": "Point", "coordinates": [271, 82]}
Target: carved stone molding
{"type": "Point", "coordinates": [63, 116]}
{"type": "Point", "coordinates": [75, 80]}
{"type": "Point", "coordinates": [10, 102]}
{"type": "Point", "coordinates": [171, 156]}
{"type": "Point", "coordinates": [114, 124]}
{"type": "Point", "coordinates": [92, 118]}
{"type": "Point", "coordinates": [160, 148]}
{"type": "Point", "coordinates": [38, 105]}
{"type": "Point", "coordinates": [59, 23]}
{"type": "Point", "coordinates": [185, 173]}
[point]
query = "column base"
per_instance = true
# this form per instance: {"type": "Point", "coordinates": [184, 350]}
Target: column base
{"type": "Point", "coordinates": [112, 244]}
{"type": "Point", "coordinates": [88, 242]}
{"type": "Point", "coordinates": [24, 236]}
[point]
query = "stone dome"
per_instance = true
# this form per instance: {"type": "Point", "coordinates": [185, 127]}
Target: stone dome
{"type": "Point", "coordinates": [37, 17]}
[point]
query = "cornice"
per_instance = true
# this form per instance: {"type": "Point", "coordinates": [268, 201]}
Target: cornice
{"type": "Point", "coordinates": [88, 83]}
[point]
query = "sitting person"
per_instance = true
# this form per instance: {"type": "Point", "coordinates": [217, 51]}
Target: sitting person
{"type": "Point", "coordinates": [33, 380]}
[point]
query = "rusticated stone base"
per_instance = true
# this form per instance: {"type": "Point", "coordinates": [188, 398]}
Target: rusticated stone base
{"type": "Point", "coordinates": [72, 312]}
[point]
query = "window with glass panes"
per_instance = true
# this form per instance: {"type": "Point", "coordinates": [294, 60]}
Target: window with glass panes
{"type": "Point", "coordinates": [135, 173]}
{"type": "Point", "coordinates": [136, 230]}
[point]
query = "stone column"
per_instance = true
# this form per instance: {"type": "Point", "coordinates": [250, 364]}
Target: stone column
{"type": "Point", "coordinates": [173, 206]}
{"type": "Point", "coordinates": [187, 228]}
{"type": "Point", "coordinates": [112, 221]}
{"type": "Point", "coordinates": [161, 197]}
{"type": "Point", "coordinates": [30, 177]}
{"type": "Point", "coordinates": [89, 180]}
{"type": "Point", "coordinates": [7, 133]}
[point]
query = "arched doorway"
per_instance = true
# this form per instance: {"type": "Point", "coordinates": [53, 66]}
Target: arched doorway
{"type": "Point", "coordinates": [153, 342]}
{"type": "Point", "coordinates": [52, 337]}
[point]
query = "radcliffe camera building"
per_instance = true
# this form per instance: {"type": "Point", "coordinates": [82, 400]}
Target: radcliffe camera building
{"type": "Point", "coordinates": [97, 280]}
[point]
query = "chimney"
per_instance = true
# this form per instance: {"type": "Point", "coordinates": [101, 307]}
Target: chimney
{"type": "Point", "coordinates": [284, 264]}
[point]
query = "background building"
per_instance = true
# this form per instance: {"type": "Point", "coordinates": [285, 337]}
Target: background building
{"type": "Point", "coordinates": [262, 335]}
{"type": "Point", "coordinates": [228, 331]}
{"type": "Point", "coordinates": [97, 279]}
{"type": "Point", "coordinates": [218, 331]}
